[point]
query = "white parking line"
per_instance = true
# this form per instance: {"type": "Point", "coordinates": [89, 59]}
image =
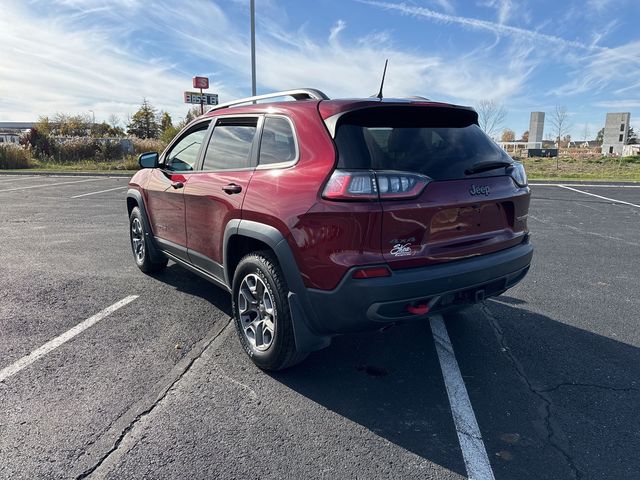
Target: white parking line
{"type": "Point", "coordinates": [474, 452]}
{"type": "Point", "coordinates": [49, 185]}
{"type": "Point", "coordinates": [65, 337]}
{"type": "Point", "coordinates": [15, 178]}
{"type": "Point", "coordinates": [101, 191]}
{"type": "Point", "coordinates": [599, 196]}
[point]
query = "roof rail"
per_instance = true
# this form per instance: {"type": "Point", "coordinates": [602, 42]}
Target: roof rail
{"type": "Point", "coordinates": [297, 94]}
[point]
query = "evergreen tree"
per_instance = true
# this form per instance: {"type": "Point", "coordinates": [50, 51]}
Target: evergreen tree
{"type": "Point", "coordinates": [143, 123]}
{"type": "Point", "coordinates": [165, 121]}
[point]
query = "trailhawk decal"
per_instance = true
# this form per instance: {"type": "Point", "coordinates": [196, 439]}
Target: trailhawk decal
{"type": "Point", "coordinates": [401, 250]}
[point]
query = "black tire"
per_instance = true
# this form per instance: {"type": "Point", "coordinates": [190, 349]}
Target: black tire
{"type": "Point", "coordinates": [275, 351]}
{"type": "Point", "coordinates": [140, 245]}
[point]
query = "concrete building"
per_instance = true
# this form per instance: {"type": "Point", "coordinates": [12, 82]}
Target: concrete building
{"type": "Point", "coordinates": [616, 130]}
{"type": "Point", "coordinates": [536, 127]}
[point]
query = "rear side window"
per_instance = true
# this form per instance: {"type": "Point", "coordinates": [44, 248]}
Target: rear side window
{"type": "Point", "coordinates": [230, 144]}
{"type": "Point", "coordinates": [277, 144]}
{"type": "Point", "coordinates": [441, 143]}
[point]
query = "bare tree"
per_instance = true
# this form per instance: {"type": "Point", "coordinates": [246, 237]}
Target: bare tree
{"type": "Point", "coordinates": [560, 124]}
{"type": "Point", "coordinates": [586, 132]}
{"type": "Point", "coordinates": [114, 120]}
{"type": "Point", "coordinates": [508, 135]}
{"type": "Point", "coordinates": [491, 116]}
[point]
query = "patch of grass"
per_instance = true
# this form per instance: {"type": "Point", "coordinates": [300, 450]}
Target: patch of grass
{"type": "Point", "coordinates": [596, 168]}
{"type": "Point", "coordinates": [13, 156]}
{"type": "Point", "coordinates": [128, 164]}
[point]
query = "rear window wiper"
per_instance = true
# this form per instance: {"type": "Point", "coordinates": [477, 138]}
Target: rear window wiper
{"type": "Point", "coordinates": [485, 166]}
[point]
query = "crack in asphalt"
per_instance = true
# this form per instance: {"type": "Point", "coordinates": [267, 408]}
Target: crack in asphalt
{"type": "Point", "coordinates": [151, 407]}
{"type": "Point", "coordinates": [589, 385]}
{"type": "Point", "coordinates": [540, 393]}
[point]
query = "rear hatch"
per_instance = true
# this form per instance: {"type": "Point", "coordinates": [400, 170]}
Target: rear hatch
{"type": "Point", "coordinates": [444, 186]}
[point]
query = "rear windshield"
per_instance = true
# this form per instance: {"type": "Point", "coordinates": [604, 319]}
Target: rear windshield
{"type": "Point", "coordinates": [441, 143]}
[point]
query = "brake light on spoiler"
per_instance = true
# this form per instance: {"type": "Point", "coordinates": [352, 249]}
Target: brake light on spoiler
{"type": "Point", "coordinates": [349, 185]}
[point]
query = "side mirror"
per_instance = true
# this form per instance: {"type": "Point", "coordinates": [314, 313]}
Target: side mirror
{"type": "Point", "coordinates": [148, 160]}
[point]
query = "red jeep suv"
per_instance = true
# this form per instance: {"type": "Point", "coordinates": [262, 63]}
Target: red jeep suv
{"type": "Point", "coordinates": [323, 216]}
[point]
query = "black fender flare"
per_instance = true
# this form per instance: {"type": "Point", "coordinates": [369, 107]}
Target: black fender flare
{"type": "Point", "coordinates": [152, 246]}
{"type": "Point", "coordinates": [306, 338]}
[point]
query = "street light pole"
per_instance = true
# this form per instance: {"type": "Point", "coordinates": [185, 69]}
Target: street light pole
{"type": "Point", "coordinates": [253, 48]}
{"type": "Point", "coordinates": [93, 120]}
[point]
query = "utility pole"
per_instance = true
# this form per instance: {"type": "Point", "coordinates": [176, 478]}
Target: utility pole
{"type": "Point", "coordinates": [253, 48]}
{"type": "Point", "coordinates": [93, 120]}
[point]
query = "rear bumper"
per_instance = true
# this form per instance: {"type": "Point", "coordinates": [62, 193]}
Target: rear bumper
{"type": "Point", "coordinates": [372, 303]}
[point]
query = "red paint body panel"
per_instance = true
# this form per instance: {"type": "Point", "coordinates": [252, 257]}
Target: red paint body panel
{"type": "Point", "coordinates": [165, 205]}
{"type": "Point", "coordinates": [209, 209]}
{"type": "Point", "coordinates": [447, 223]}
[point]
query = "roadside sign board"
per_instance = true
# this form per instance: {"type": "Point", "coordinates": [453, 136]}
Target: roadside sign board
{"type": "Point", "coordinates": [200, 82]}
{"type": "Point", "coordinates": [205, 98]}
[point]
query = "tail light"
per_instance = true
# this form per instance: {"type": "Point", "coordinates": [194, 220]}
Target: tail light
{"type": "Point", "coordinates": [373, 185]}
{"type": "Point", "coordinates": [517, 172]}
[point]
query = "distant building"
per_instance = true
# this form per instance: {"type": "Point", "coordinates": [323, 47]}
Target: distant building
{"type": "Point", "coordinates": [536, 127]}
{"type": "Point", "coordinates": [10, 131]}
{"type": "Point", "coordinates": [616, 130]}
{"type": "Point", "coordinates": [9, 137]}
{"type": "Point", "coordinates": [629, 150]}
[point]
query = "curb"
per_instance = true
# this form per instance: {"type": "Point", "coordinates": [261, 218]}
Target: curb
{"type": "Point", "coordinates": [66, 174]}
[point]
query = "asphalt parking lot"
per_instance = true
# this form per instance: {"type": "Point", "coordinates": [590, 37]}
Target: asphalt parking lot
{"type": "Point", "coordinates": [159, 388]}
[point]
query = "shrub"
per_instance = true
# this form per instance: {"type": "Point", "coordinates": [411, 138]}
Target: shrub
{"type": "Point", "coordinates": [39, 143]}
{"type": "Point", "coordinates": [12, 156]}
{"type": "Point", "coordinates": [141, 145]}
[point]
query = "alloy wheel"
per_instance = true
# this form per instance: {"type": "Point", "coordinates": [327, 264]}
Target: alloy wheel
{"type": "Point", "coordinates": [257, 312]}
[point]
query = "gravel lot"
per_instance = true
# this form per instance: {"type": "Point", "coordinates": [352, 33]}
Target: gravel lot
{"type": "Point", "coordinates": [159, 388]}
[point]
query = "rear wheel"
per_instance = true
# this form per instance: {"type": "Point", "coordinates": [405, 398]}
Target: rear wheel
{"type": "Point", "coordinates": [140, 247]}
{"type": "Point", "coordinates": [261, 313]}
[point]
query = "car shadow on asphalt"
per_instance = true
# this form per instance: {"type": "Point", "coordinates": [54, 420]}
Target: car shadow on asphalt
{"type": "Point", "coordinates": [191, 284]}
{"type": "Point", "coordinates": [390, 383]}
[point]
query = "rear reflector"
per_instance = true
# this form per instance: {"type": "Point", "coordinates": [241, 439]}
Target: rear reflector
{"type": "Point", "coordinates": [373, 185]}
{"type": "Point", "coordinates": [372, 272]}
{"type": "Point", "coordinates": [418, 309]}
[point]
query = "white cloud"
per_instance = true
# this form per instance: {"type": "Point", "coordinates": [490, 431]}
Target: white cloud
{"type": "Point", "coordinates": [615, 70]}
{"type": "Point", "coordinates": [504, 9]}
{"type": "Point", "coordinates": [623, 105]}
{"type": "Point", "coordinates": [59, 65]}
{"type": "Point", "coordinates": [478, 24]}
{"type": "Point", "coordinates": [445, 5]}
{"type": "Point", "coordinates": [73, 66]}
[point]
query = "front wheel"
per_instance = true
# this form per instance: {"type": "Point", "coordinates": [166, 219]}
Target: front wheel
{"type": "Point", "coordinates": [261, 313]}
{"type": "Point", "coordinates": [140, 247]}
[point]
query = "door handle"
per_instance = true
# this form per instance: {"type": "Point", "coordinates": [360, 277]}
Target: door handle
{"type": "Point", "coordinates": [232, 188]}
{"type": "Point", "coordinates": [177, 185]}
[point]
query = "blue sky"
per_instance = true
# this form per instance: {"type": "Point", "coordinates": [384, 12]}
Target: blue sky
{"type": "Point", "coordinates": [73, 56]}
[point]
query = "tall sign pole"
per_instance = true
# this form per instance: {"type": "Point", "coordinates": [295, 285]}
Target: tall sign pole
{"type": "Point", "coordinates": [253, 48]}
{"type": "Point", "coordinates": [201, 83]}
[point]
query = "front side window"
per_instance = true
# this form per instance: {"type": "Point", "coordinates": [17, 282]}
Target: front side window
{"type": "Point", "coordinates": [230, 144]}
{"type": "Point", "coordinates": [183, 156]}
{"type": "Point", "coordinates": [277, 144]}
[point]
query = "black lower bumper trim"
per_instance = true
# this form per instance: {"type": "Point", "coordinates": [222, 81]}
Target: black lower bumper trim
{"type": "Point", "coordinates": [370, 303]}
